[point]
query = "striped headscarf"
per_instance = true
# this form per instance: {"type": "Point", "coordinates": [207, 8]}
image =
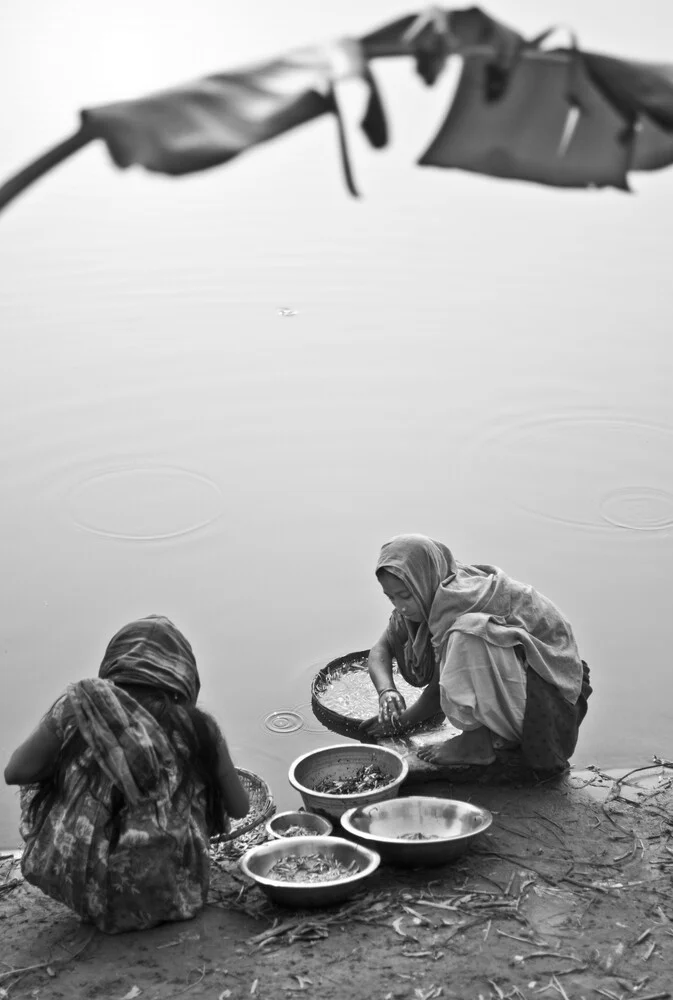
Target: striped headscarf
{"type": "Point", "coordinates": [152, 651]}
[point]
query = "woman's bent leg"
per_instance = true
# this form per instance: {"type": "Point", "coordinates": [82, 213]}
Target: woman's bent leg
{"type": "Point", "coordinates": [483, 685]}
{"type": "Point", "coordinates": [483, 692]}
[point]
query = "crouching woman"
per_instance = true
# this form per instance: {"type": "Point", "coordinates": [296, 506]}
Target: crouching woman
{"type": "Point", "coordinates": [495, 655]}
{"type": "Point", "coordinates": [123, 783]}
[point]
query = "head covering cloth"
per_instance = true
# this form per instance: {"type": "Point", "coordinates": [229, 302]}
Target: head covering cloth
{"type": "Point", "coordinates": [126, 741]}
{"type": "Point", "coordinates": [153, 652]}
{"type": "Point", "coordinates": [422, 565]}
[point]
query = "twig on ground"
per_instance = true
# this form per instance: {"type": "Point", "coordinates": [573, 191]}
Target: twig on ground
{"type": "Point", "coordinates": [514, 859]}
{"type": "Point", "coordinates": [287, 925]}
{"type": "Point", "coordinates": [630, 854]}
{"type": "Point", "coordinates": [191, 986]}
{"type": "Point", "coordinates": [585, 885]}
{"type": "Point", "coordinates": [560, 988]}
{"type": "Point", "coordinates": [550, 820]}
{"type": "Point", "coordinates": [516, 937]}
{"type": "Point", "coordinates": [648, 954]}
{"type": "Point", "coordinates": [549, 954]}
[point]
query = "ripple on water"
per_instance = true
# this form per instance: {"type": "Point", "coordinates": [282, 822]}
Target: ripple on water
{"type": "Point", "coordinates": [145, 503]}
{"type": "Point", "coordinates": [287, 721]}
{"type": "Point", "coordinates": [293, 720]}
{"type": "Point", "coordinates": [586, 470]}
{"type": "Point", "coordinates": [638, 507]}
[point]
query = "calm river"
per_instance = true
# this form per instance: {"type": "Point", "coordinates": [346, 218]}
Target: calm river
{"type": "Point", "coordinates": [221, 394]}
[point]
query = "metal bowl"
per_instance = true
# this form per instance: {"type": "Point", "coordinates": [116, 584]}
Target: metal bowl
{"type": "Point", "coordinates": [258, 860]}
{"type": "Point", "coordinates": [343, 761]}
{"type": "Point", "coordinates": [313, 825]}
{"type": "Point", "coordinates": [453, 826]}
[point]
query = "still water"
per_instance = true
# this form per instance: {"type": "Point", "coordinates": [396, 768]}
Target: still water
{"type": "Point", "coordinates": [221, 395]}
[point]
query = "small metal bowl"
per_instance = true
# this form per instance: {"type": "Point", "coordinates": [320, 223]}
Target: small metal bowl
{"type": "Point", "coordinates": [313, 826]}
{"type": "Point", "coordinates": [256, 863]}
{"type": "Point", "coordinates": [453, 826]}
{"type": "Point", "coordinates": [343, 761]}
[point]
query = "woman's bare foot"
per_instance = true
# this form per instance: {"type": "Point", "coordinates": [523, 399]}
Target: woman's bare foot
{"type": "Point", "coordinates": [473, 746]}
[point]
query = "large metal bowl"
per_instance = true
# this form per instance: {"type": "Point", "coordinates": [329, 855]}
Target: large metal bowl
{"type": "Point", "coordinates": [452, 825]}
{"type": "Point", "coordinates": [343, 761]}
{"type": "Point", "coordinates": [258, 860]}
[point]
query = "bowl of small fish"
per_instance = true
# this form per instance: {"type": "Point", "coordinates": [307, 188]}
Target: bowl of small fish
{"type": "Point", "coordinates": [298, 823]}
{"type": "Point", "coordinates": [333, 779]}
{"type": "Point", "coordinates": [309, 871]}
{"type": "Point", "coordinates": [417, 830]}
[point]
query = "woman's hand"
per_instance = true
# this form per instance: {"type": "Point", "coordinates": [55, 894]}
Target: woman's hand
{"type": "Point", "coordinates": [372, 729]}
{"type": "Point", "coordinates": [389, 720]}
{"type": "Point", "coordinates": [391, 706]}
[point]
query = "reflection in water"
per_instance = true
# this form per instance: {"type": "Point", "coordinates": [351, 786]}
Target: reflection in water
{"type": "Point", "coordinates": [579, 469]}
{"type": "Point", "coordinates": [147, 504]}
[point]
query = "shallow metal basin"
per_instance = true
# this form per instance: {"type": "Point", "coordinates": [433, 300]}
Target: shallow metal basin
{"type": "Point", "coordinates": [256, 863]}
{"type": "Point", "coordinates": [313, 825]}
{"type": "Point", "coordinates": [384, 826]}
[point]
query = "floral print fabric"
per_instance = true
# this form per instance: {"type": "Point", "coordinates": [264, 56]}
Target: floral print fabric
{"type": "Point", "coordinates": [148, 866]}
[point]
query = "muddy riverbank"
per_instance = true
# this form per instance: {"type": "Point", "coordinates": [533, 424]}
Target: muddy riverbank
{"type": "Point", "coordinates": [568, 895]}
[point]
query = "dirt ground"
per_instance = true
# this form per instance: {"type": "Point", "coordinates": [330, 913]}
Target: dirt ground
{"type": "Point", "coordinates": [568, 895]}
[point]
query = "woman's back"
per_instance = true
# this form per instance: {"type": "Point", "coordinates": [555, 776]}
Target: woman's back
{"type": "Point", "coordinates": [121, 864]}
{"type": "Point", "coordinates": [126, 780]}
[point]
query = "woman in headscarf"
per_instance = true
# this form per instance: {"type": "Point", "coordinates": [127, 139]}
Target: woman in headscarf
{"type": "Point", "coordinates": [123, 783]}
{"type": "Point", "coordinates": [496, 656]}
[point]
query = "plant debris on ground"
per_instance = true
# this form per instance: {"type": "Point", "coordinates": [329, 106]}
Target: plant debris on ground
{"type": "Point", "coordinates": [566, 897]}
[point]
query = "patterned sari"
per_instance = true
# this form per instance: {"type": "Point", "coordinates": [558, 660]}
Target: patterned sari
{"type": "Point", "coordinates": [125, 845]}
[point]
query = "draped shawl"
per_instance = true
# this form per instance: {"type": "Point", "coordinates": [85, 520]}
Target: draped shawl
{"type": "Point", "coordinates": [480, 600]}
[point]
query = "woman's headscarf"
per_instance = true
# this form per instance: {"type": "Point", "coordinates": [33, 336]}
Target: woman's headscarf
{"type": "Point", "coordinates": [152, 651]}
{"type": "Point", "coordinates": [422, 564]}
{"type": "Point", "coordinates": [126, 741]}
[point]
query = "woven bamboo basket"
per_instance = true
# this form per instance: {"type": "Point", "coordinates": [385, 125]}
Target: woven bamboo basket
{"type": "Point", "coordinates": [349, 724]}
{"type": "Point", "coordinates": [345, 725]}
{"type": "Point", "coordinates": [262, 807]}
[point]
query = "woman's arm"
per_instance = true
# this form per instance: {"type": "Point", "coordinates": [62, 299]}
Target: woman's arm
{"type": "Point", "coordinates": [235, 796]}
{"type": "Point", "coordinates": [35, 759]}
{"type": "Point", "coordinates": [380, 664]}
{"type": "Point", "coordinates": [391, 702]}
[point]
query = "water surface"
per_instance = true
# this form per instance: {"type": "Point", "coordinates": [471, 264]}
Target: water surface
{"type": "Point", "coordinates": [220, 395]}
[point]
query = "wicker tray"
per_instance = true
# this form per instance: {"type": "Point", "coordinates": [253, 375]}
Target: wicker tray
{"type": "Point", "coordinates": [262, 807]}
{"type": "Point", "coordinates": [349, 724]}
{"type": "Point", "coordinates": [345, 725]}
